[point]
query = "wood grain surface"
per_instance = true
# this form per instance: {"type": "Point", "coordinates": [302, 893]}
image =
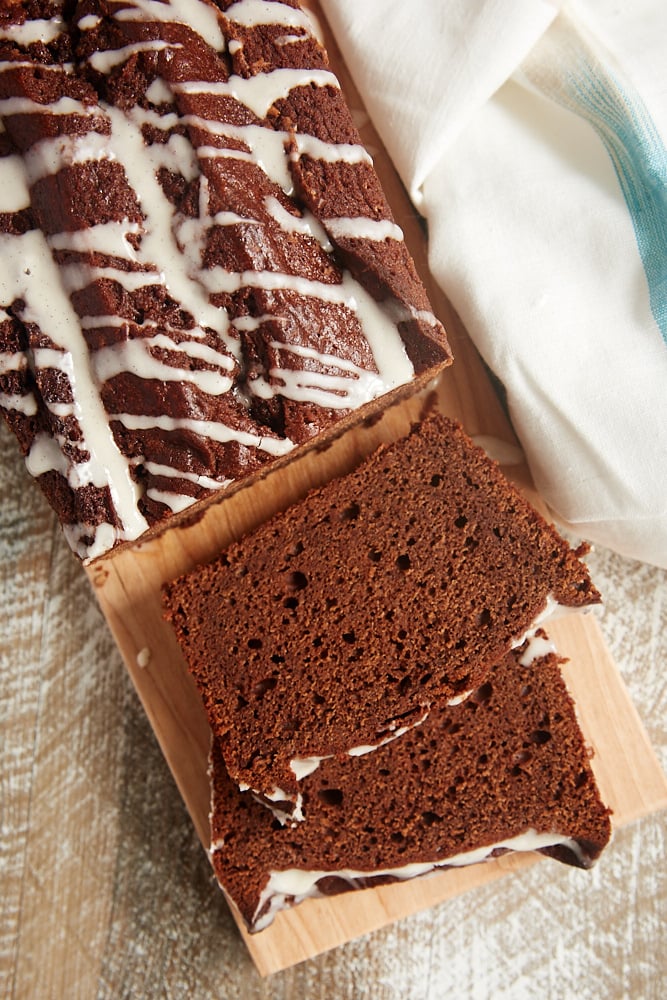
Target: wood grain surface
{"type": "Point", "coordinates": [105, 889]}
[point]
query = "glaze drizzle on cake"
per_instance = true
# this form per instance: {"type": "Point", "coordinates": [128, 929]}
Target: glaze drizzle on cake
{"type": "Point", "coordinates": [200, 271]}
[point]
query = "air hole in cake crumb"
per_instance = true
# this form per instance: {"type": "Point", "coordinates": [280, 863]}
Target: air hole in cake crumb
{"type": "Point", "coordinates": [297, 580]}
{"type": "Point", "coordinates": [436, 480]}
{"type": "Point", "coordinates": [429, 818]}
{"type": "Point", "coordinates": [332, 796]}
{"type": "Point", "coordinates": [254, 643]}
{"type": "Point", "coordinates": [404, 685]}
{"type": "Point", "coordinates": [582, 779]}
{"type": "Point", "coordinates": [264, 686]}
{"type": "Point", "coordinates": [523, 757]}
{"type": "Point", "coordinates": [291, 602]}
{"type": "Point", "coordinates": [397, 837]}
{"type": "Point", "coordinates": [483, 759]}
{"type": "Point", "coordinates": [403, 562]}
{"type": "Point", "coordinates": [350, 513]}
{"type": "Point", "coordinates": [526, 690]}
{"type": "Point", "coordinates": [461, 521]}
{"type": "Point", "coordinates": [318, 699]}
{"type": "Point", "coordinates": [384, 771]}
{"type": "Point", "coordinates": [295, 550]}
{"type": "Point", "coordinates": [483, 694]}
{"type": "Point", "coordinates": [425, 678]}
{"type": "Point", "coordinates": [540, 736]}
{"type": "Point", "coordinates": [484, 617]}
{"type": "Point", "coordinates": [349, 637]}
{"type": "Point", "coordinates": [374, 555]}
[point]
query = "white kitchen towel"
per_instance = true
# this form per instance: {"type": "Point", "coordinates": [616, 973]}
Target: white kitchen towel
{"type": "Point", "coordinates": [532, 137]}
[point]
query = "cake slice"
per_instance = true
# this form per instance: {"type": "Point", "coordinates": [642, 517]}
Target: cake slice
{"type": "Point", "coordinates": [199, 271]}
{"type": "Point", "coordinates": [507, 770]}
{"type": "Point", "coordinates": [338, 624]}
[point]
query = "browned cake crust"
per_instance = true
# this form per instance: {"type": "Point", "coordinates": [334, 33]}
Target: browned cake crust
{"type": "Point", "coordinates": [201, 271]}
{"type": "Point", "coordinates": [341, 621]}
{"type": "Point", "coordinates": [510, 762]}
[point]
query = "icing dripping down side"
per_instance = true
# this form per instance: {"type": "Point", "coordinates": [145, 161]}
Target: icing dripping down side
{"type": "Point", "coordinates": [293, 886]}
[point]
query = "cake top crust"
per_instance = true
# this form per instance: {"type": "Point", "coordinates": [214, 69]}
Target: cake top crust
{"type": "Point", "coordinates": [225, 278]}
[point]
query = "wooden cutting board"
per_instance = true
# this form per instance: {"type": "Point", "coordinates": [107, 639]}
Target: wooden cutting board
{"type": "Point", "coordinates": [128, 590]}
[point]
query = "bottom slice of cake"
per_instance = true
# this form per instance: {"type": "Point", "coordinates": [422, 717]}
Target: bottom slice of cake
{"type": "Point", "coordinates": [506, 770]}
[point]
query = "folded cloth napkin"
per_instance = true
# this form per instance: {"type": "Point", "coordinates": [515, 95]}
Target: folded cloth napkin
{"type": "Point", "coordinates": [532, 136]}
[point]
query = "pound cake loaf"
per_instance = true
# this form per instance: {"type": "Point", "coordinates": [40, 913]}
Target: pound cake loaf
{"type": "Point", "coordinates": [199, 270]}
{"type": "Point", "coordinates": [507, 770]}
{"type": "Point", "coordinates": [336, 625]}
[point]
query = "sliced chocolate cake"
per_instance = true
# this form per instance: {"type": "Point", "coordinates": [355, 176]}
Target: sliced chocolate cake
{"type": "Point", "coordinates": [339, 623]}
{"type": "Point", "coordinates": [199, 270]}
{"type": "Point", "coordinates": [507, 770]}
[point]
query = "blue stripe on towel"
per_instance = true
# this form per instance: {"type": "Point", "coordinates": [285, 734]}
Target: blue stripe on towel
{"type": "Point", "coordinates": [582, 81]}
{"type": "Point", "coordinates": [640, 161]}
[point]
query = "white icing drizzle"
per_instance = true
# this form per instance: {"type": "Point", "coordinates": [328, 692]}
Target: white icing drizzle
{"type": "Point", "coordinates": [28, 270]}
{"type": "Point", "coordinates": [329, 152]}
{"type": "Point", "coordinates": [552, 610]}
{"type": "Point", "coordinates": [363, 229]}
{"type": "Point", "coordinates": [88, 22]}
{"type": "Point", "coordinates": [388, 350]}
{"type": "Point", "coordinates": [15, 362]}
{"type": "Point", "coordinates": [49, 155]}
{"type": "Point", "coordinates": [159, 244]}
{"type": "Point", "coordinates": [159, 92]}
{"type": "Point", "coordinates": [38, 30]}
{"type": "Point", "coordinates": [25, 404]}
{"type": "Point", "coordinates": [14, 194]}
{"type": "Point", "coordinates": [176, 502]}
{"type": "Point", "coordinates": [205, 428]}
{"type": "Point", "coordinates": [169, 252]}
{"type": "Point", "coordinates": [26, 106]}
{"type": "Point", "coordinates": [305, 224]}
{"type": "Point", "coordinates": [537, 647]}
{"type": "Point", "coordinates": [251, 13]}
{"type": "Point", "coordinates": [170, 472]}
{"type": "Point", "coordinates": [136, 356]}
{"type": "Point", "coordinates": [283, 40]}
{"type": "Point", "coordinates": [364, 749]}
{"type": "Point", "coordinates": [105, 61]}
{"type": "Point", "coordinates": [260, 92]}
{"type": "Point", "coordinates": [109, 238]}
{"type": "Point", "coordinates": [294, 885]}
{"type": "Point", "coordinates": [303, 766]}
{"type": "Point", "coordinates": [198, 15]}
{"type": "Point", "coordinates": [79, 275]}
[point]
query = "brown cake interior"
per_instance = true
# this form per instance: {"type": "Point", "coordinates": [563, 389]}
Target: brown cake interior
{"type": "Point", "coordinates": [507, 762]}
{"type": "Point", "coordinates": [342, 620]}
